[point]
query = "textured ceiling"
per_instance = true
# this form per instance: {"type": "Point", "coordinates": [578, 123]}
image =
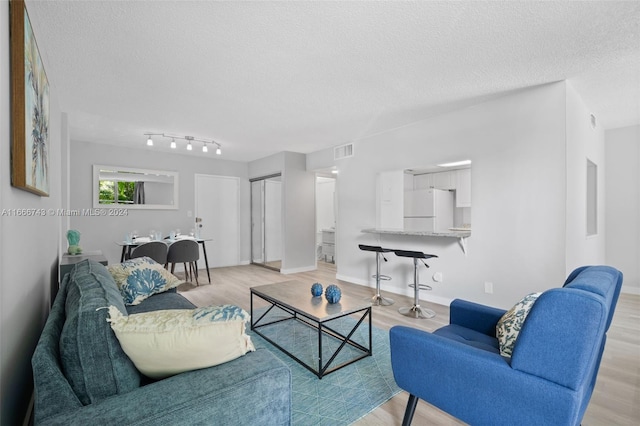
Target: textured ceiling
{"type": "Point", "coordinates": [264, 77]}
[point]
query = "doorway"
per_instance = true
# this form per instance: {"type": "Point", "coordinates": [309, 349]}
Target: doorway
{"type": "Point", "coordinates": [266, 221]}
{"type": "Point", "coordinates": [326, 217]}
{"type": "Point", "coordinates": [217, 212]}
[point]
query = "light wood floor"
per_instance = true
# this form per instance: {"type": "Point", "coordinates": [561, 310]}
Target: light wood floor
{"type": "Point", "coordinates": [615, 401]}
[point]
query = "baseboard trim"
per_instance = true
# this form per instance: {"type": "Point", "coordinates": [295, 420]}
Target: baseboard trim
{"type": "Point", "coordinates": [353, 280]}
{"type": "Point", "coordinates": [630, 290]}
{"type": "Point", "coordinates": [445, 301]}
{"type": "Point", "coordinates": [297, 270]}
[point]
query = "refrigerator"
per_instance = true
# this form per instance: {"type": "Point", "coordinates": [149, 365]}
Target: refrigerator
{"type": "Point", "coordinates": [428, 210]}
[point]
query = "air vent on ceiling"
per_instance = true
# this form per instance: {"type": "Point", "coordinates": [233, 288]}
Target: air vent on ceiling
{"type": "Point", "coordinates": [343, 151]}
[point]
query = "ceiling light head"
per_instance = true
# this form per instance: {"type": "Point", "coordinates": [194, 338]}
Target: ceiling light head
{"type": "Point", "coordinates": [190, 140]}
{"type": "Point", "coordinates": [455, 163]}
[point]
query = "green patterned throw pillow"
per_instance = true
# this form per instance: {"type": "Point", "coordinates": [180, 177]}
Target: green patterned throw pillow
{"type": "Point", "coordinates": [141, 278]}
{"type": "Point", "coordinates": [509, 326]}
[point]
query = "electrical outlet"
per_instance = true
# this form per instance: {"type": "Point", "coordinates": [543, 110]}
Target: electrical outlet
{"type": "Point", "coordinates": [437, 277]}
{"type": "Point", "coordinates": [488, 287]}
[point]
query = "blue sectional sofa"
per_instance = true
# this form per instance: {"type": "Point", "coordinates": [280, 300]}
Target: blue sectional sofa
{"type": "Point", "coordinates": [550, 376]}
{"type": "Point", "coordinates": [82, 376]}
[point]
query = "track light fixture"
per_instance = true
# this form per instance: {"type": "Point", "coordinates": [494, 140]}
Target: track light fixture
{"type": "Point", "coordinates": [189, 140]}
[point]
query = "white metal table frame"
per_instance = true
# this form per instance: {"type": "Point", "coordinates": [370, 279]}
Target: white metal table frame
{"type": "Point", "coordinates": [317, 323]}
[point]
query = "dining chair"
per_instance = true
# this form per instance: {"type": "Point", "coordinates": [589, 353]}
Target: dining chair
{"type": "Point", "coordinates": [185, 252]}
{"type": "Point", "coordinates": [156, 250]}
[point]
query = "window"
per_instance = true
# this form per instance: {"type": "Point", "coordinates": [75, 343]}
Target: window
{"type": "Point", "coordinates": [124, 192]}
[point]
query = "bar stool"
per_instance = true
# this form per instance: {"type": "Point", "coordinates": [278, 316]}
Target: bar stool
{"type": "Point", "coordinates": [378, 299]}
{"type": "Point", "coordinates": [416, 311]}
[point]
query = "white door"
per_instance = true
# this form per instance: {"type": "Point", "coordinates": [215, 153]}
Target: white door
{"type": "Point", "coordinates": [218, 206]}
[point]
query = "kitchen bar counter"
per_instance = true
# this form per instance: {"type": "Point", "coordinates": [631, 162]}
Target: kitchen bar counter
{"type": "Point", "coordinates": [451, 234]}
{"type": "Point", "coordinates": [458, 233]}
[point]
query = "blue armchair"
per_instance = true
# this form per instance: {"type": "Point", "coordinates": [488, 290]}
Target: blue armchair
{"type": "Point", "coordinates": [550, 376]}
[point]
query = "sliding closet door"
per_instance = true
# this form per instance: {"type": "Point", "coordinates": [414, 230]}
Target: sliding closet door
{"type": "Point", "coordinates": [257, 222]}
{"type": "Point", "coordinates": [266, 221]}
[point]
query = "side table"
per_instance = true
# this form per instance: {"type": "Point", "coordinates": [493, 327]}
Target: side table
{"type": "Point", "coordinates": [68, 261]}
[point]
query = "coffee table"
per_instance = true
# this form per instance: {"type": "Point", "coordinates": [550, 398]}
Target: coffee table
{"type": "Point", "coordinates": [295, 299]}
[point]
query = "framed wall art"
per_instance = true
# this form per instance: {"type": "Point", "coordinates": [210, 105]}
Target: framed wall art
{"type": "Point", "coordinates": [29, 106]}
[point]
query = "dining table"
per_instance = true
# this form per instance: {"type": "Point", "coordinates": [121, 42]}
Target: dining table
{"type": "Point", "coordinates": [128, 246]}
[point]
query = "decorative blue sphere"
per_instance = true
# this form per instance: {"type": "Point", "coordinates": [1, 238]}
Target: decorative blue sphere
{"type": "Point", "coordinates": [333, 294]}
{"type": "Point", "coordinates": [316, 289]}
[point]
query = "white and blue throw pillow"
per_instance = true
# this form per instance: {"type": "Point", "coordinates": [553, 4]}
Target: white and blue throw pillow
{"type": "Point", "coordinates": [167, 342]}
{"type": "Point", "coordinates": [509, 326]}
{"type": "Point", "coordinates": [140, 278]}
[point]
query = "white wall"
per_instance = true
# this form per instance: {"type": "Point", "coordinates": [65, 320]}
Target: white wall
{"type": "Point", "coordinates": [299, 215]}
{"type": "Point", "coordinates": [102, 233]}
{"type": "Point", "coordinates": [28, 250]}
{"type": "Point", "coordinates": [583, 142]}
{"type": "Point", "coordinates": [517, 145]}
{"type": "Point", "coordinates": [267, 166]}
{"type": "Point", "coordinates": [273, 220]}
{"type": "Point", "coordinates": [623, 204]}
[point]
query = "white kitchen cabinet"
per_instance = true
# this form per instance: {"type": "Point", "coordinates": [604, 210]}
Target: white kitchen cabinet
{"type": "Point", "coordinates": [463, 188]}
{"type": "Point", "coordinates": [389, 199]}
{"type": "Point", "coordinates": [408, 182]}
{"type": "Point", "coordinates": [424, 181]}
{"type": "Point", "coordinates": [444, 180]}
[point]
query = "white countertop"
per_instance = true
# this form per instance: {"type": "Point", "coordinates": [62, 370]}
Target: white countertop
{"type": "Point", "coordinates": [450, 234]}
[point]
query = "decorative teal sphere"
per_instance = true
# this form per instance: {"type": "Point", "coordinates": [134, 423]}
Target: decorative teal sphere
{"type": "Point", "coordinates": [333, 294]}
{"type": "Point", "coordinates": [316, 289]}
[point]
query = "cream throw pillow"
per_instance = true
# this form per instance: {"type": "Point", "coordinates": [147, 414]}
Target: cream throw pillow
{"type": "Point", "coordinates": [168, 342]}
{"type": "Point", "coordinates": [509, 326]}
